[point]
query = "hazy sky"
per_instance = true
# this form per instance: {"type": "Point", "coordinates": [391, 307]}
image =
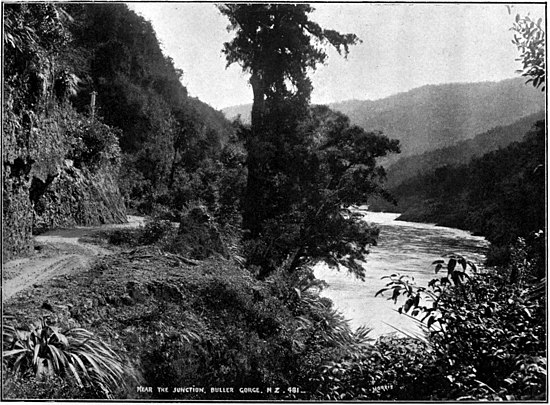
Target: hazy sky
{"type": "Point", "coordinates": [404, 46]}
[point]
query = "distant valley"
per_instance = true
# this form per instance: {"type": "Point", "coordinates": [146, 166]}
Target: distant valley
{"type": "Point", "coordinates": [461, 152]}
{"type": "Point", "coordinates": [437, 116]}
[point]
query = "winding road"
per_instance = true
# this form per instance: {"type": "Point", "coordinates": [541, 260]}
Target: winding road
{"type": "Point", "coordinates": [61, 252]}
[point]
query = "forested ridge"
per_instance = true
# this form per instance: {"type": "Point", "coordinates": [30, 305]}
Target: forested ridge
{"type": "Point", "coordinates": [451, 113]}
{"type": "Point", "coordinates": [218, 289]}
{"type": "Point", "coordinates": [500, 195]}
{"type": "Point", "coordinates": [169, 142]}
{"type": "Point", "coordinates": [461, 152]}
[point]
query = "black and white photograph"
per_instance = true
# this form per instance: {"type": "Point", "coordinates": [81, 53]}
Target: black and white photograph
{"type": "Point", "coordinates": [266, 202]}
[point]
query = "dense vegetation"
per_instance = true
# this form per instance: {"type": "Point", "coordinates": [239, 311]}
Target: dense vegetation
{"type": "Point", "coordinates": [176, 150]}
{"type": "Point", "coordinates": [51, 152]}
{"type": "Point", "coordinates": [452, 112]}
{"type": "Point", "coordinates": [458, 154]}
{"type": "Point", "coordinates": [305, 165]}
{"type": "Point", "coordinates": [500, 195]}
{"type": "Point", "coordinates": [218, 290]}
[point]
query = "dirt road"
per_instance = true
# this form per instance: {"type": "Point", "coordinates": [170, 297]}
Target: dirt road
{"type": "Point", "coordinates": [61, 252]}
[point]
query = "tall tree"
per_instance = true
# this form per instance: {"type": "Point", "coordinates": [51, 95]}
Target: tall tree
{"type": "Point", "coordinates": [304, 165]}
{"type": "Point", "coordinates": [276, 44]}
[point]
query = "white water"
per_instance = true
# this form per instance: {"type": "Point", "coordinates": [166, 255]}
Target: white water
{"type": "Point", "coordinates": [404, 248]}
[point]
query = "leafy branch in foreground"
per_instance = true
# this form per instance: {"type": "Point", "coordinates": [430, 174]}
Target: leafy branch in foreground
{"type": "Point", "coordinates": [486, 334]}
{"type": "Point", "coordinates": [422, 303]}
{"type": "Point", "coordinates": [530, 39]}
{"type": "Point", "coordinates": [44, 351]}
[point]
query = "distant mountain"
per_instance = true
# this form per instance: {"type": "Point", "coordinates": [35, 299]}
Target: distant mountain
{"type": "Point", "coordinates": [242, 110]}
{"type": "Point", "coordinates": [436, 116]}
{"type": "Point", "coordinates": [461, 152]}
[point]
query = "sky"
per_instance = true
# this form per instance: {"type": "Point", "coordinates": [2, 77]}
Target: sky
{"type": "Point", "coordinates": [404, 46]}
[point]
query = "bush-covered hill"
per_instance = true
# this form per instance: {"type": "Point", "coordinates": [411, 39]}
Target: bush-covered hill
{"type": "Point", "coordinates": [437, 116]}
{"type": "Point", "coordinates": [500, 195]}
{"type": "Point", "coordinates": [462, 152]}
{"type": "Point", "coordinates": [143, 144]}
{"type": "Point", "coordinates": [167, 138]}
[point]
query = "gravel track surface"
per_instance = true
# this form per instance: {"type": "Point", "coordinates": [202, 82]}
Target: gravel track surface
{"type": "Point", "coordinates": [60, 252]}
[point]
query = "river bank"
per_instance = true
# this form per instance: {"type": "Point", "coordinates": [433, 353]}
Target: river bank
{"type": "Point", "coordinates": [406, 248]}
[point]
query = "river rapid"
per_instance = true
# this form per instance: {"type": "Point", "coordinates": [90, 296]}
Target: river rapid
{"type": "Point", "coordinates": [405, 248]}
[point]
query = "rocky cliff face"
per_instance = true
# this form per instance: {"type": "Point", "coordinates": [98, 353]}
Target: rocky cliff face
{"type": "Point", "coordinates": [59, 161]}
{"type": "Point", "coordinates": [17, 214]}
{"type": "Point", "coordinates": [76, 197]}
{"type": "Point", "coordinates": [43, 189]}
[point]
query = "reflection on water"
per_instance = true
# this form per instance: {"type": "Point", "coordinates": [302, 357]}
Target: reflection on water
{"type": "Point", "coordinates": [405, 248]}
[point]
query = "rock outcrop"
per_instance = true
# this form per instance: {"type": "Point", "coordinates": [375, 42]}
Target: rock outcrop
{"type": "Point", "coordinates": [17, 217]}
{"type": "Point", "coordinates": [77, 197]}
{"type": "Point", "coordinates": [43, 189]}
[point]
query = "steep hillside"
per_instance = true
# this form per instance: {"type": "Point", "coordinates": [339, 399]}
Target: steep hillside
{"type": "Point", "coordinates": [436, 116]}
{"type": "Point", "coordinates": [59, 166]}
{"type": "Point", "coordinates": [432, 117]}
{"type": "Point", "coordinates": [168, 139]}
{"type": "Point", "coordinates": [462, 152]}
{"type": "Point", "coordinates": [500, 195]}
{"type": "Point", "coordinates": [62, 151]}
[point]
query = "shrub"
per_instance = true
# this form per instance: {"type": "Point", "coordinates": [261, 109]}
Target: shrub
{"type": "Point", "coordinates": [154, 231]}
{"type": "Point", "coordinates": [75, 354]}
{"type": "Point", "coordinates": [487, 334]}
{"type": "Point", "coordinates": [93, 142]}
{"type": "Point", "coordinates": [120, 237]}
{"type": "Point", "coordinates": [198, 236]}
{"type": "Point", "coordinates": [392, 369]}
{"type": "Point", "coordinates": [16, 386]}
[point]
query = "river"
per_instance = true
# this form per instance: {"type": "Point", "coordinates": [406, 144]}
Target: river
{"type": "Point", "coordinates": [404, 248]}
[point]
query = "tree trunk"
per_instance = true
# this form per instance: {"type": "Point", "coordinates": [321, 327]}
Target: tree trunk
{"type": "Point", "coordinates": [173, 169]}
{"type": "Point", "coordinates": [258, 107]}
{"type": "Point", "coordinates": [252, 210]}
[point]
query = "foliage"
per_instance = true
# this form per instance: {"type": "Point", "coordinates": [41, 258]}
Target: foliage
{"type": "Point", "coordinates": [35, 34]}
{"type": "Point", "coordinates": [44, 351]}
{"type": "Point", "coordinates": [216, 183]}
{"type": "Point", "coordinates": [196, 236]}
{"type": "Point", "coordinates": [19, 387]}
{"type": "Point", "coordinates": [167, 139]}
{"type": "Point", "coordinates": [121, 237]}
{"type": "Point", "coordinates": [487, 334]}
{"type": "Point", "coordinates": [500, 195]}
{"type": "Point", "coordinates": [324, 166]}
{"type": "Point", "coordinates": [530, 39]}
{"type": "Point", "coordinates": [277, 43]}
{"type": "Point", "coordinates": [155, 231]}
{"type": "Point", "coordinates": [304, 165]}
{"type": "Point", "coordinates": [236, 331]}
{"type": "Point", "coordinates": [392, 369]}
{"type": "Point", "coordinates": [94, 143]}
{"type": "Point", "coordinates": [43, 135]}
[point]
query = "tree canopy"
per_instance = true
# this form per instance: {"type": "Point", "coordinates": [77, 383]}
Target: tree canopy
{"type": "Point", "coordinates": [305, 165]}
{"type": "Point", "coordinates": [277, 44]}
